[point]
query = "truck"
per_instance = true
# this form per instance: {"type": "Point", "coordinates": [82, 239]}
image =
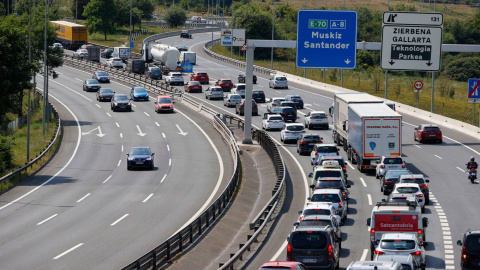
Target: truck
{"type": "Point", "coordinates": [93, 53]}
{"type": "Point", "coordinates": [165, 56]}
{"type": "Point", "coordinates": [373, 130]}
{"type": "Point", "coordinates": [188, 57]}
{"type": "Point", "coordinates": [71, 35]}
{"type": "Point", "coordinates": [136, 66]}
{"type": "Point", "coordinates": [122, 52]}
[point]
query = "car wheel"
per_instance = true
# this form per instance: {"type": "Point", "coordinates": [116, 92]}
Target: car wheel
{"type": "Point", "coordinates": [427, 200]}
{"type": "Point", "coordinates": [206, 97]}
{"type": "Point", "coordinates": [128, 168]}
{"type": "Point", "coordinates": [423, 209]}
{"type": "Point", "coordinates": [376, 176]}
{"type": "Point", "coordinates": [440, 141]}
{"type": "Point", "coordinates": [414, 138]}
{"type": "Point", "coordinates": [151, 167]}
{"type": "Point", "coordinates": [385, 192]}
{"type": "Point", "coordinates": [281, 139]}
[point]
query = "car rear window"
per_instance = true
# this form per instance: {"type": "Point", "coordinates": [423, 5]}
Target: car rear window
{"type": "Point", "coordinates": [431, 129]}
{"type": "Point", "coordinates": [414, 180]}
{"type": "Point", "coordinates": [341, 162]}
{"type": "Point", "coordinates": [296, 98]}
{"type": "Point", "coordinates": [235, 97]}
{"type": "Point", "coordinates": [312, 138]}
{"type": "Point", "coordinates": [155, 70]}
{"type": "Point", "coordinates": [392, 161]}
{"type": "Point", "coordinates": [397, 244]}
{"type": "Point", "coordinates": [398, 199]}
{"type": "Point", "coordinates": [288, 110]}
{"type": "Point", "coordinates": [202, 74]}
{"type": "Point", "coordinates": [326, 149]}
{"type": "Point", "coordinates": [295, 128]}
{"type": "Point", "coordinates": [305, 223]}
{"type": "Point", "coordinates": [394, 174]}
{"type": "Point", "coordinates": [241, 87]}
{"type": "Point", "coordinates": [407, 189]}
{"type": "Point", "coordinates": [217, 90]}
{"type": "Point", "coordinates": [473, 243]}
{"type": "Point", "coordinates": [318, 115]}
{"type": "Point", "coordinates": [307, 212]}
{"type": "Point", "coordinates": [226, 81]}
{"type": "Point", "coordinates": [279, 267]}
{"type": "Point", "coordinates": [328, 174]}
{"type": "Point", "coordinates": [281, 79]}
{"type": "Point", "coordinates": [194, 83]}
{"type": "Point", "coordinates": [333, 198]}
{"type": "Point", "coordinates": [276, 118]}
{"type": "Point", "coordinates": [329, 184]}
{"type": "Point", "coordinates": [308, 240]}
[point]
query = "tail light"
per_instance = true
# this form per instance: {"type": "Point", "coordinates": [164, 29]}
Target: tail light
{"type": "Point", "coordinates": [325, 117]}
{"type": "Point", "coordinates": [286, 131]}
{"type": "Point", "coordinates": [300, 218]}
{"type": "Point", "coordinates": [464, 254]}
{"type": "Point", "coordinates": [263, 95]}
{"type": "Point", "coordinates": [273, 104]}
{"type": "Point", "coordinates": [311, 117]}
{"type": "Point", "coordinates": [403, 165]}
{"type": "Point", "coordinates": [340, 205]}
{"type": "Point", "coordinates": [316, 153]}
{"type": "Point", "coordinates": [382, 165]}
{"type": "Point", "coordinates": [416, 253]}
{"type": "Point", "coordinates": [330, 251]}
{"type": "Point", "coordinates": [229, 100]}
{"type": "Point", "coordinates": [269, 120]}
{"type": "Point", "coordinates": [388, 183]}
{"type": "Point", "coordinates": [150, 73]}
{"type": "Point", "coordinates": [344, 194]}
{"type": "Point", "coordinates": [372, 235]}
{"type": "Point", "coordinates": [289, 252]}
{"type": "Point", "coordinates": [337, 153]}
{"type": "Point", "coordinates": [378, 252]}
{"type": "Point", "coordinates": [423, 185]}
{"type": "Point", "coordinates": [303, 143]}
{"type": "Point", "coordinates": [344, 168]}
{"type": "Point", "coordinates": [420, 195]}
{"type": "Point", "coordinates": [181, 77]}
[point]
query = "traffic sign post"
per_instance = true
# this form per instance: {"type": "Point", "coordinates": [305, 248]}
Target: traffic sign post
{"type": "Point", "coordinates": [233, 37]}
{"type": "Point", "coordinates": [203, 12]}
{"type": "Point", "coordinates": [327, 39]}
{"type": "Point", "coordinates": [244, 47]}
{"type": "Point", "coordinates": [418, 85]}
{"type": "Point", "coordinates": [473, 95]}
{"type": "Point", "coordinates": [411, 41]}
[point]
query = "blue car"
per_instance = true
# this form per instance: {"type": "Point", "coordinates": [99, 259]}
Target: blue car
{"type": "Point", "coordinates": [140, 157]}
{"type": "Point", "coordinates": [139, 93]}
{"type": "Point", "coordinates": [295, 98]}
{"type": "Point", "coordinates": [101, 76]}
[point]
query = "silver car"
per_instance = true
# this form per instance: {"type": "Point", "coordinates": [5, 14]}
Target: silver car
{"type": "Point", "coordinates": [316, 119]}
{"type": "Point", "coordinates": [91, 85]}
{"type": "Point", "coordinates": [115, 62]}
{"type": "Point", "coordinates": [278, 81]}
{"type": "Point", "coordinates": [239, 89]}
{"type": "Point", "coordinates": [291, 132]}
{"type": "Point", "coordinates": [273, 102]}
{"type": "Point", "coordinates": [80, 53]}
{"type": "Point", "coordinates": [175, 78]}
{"type": "Point", "coordinates": [231, 100]}
{"type": "Point", "coordinates": [214, 92]}
{"type": "Point", "coordinates": [400, 244]}
{"type": "Point", "coordinates": [273, 121]}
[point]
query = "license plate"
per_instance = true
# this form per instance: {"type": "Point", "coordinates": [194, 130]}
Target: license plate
{"type": "Point", "coordinates": [432, 135]}
{"type": "Point", "coordinates": [309, 260]}
{"type": "Point", "coordinates": [139, 162]}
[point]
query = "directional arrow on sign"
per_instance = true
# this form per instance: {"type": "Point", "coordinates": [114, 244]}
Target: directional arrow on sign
{"type": "Point", "coordinates": [347, 61]}
{"type": "Point", "coordinates": [140, 132]}
{"type": "Point", "coordinates": [304, 60]}
{"type": "Point", "coordinates": [181, 131]}
{"type": "Point", "coordinates": [100, 134]}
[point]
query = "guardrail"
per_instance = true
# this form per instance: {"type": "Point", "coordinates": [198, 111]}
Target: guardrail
{"type": "Point", "coordinates": [53, 140]}
{"type": "Point", "coordinates": [233, 61]}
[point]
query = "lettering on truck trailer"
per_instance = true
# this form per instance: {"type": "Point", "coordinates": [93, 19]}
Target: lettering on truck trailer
{"type": "Point", "coordinates": [396, 223]}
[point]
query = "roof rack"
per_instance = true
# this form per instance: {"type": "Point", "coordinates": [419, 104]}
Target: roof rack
{"type": "Point", "coordinates": [409, 202]}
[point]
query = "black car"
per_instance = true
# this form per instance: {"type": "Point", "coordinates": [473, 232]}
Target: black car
{"type": "Point", "coordinates": [182, 48]}
{"type": "Point", "coordinates": [243, 75]}
{"type": "Point", "coordinates": [107, 53]}
{"type": "Point", "coordinates": [470, 250]}
{"type": "Point", "coordinates": [332, 183]}
{"type": "Point", "coordinates": [105, 94]}
{"type": "Point", "coordinates": [306, 142]}
{"type": "Point", "coordinates": [289, 114]}
{"type": "Point", "coordinates": [389, 179]}
{"type": "Point", "coordinates": [290, 104]}
{"type": "Point", "coordinates": [120, 102]}
{"type": "Point", "coordinates": [140, 157]}
{"type": "Point", "coordinates": [258, 96]}
{"type": "Point", "coordinates": [295, 98]}
{"type": "Point", "coordinates": [185, 34]}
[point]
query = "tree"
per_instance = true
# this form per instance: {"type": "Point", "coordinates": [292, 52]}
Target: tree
{"type": "Point", "coordinates": [78, 7]}
{"type": "Point", "coordinates": [175, 16]}
{"type": "Point", "coordinates": [100, 16]}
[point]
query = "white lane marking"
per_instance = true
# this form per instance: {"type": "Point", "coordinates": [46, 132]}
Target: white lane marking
{"type": "Point", "coordinates": [417, 146]}
{"type": "Point", "coordinates": [307, 105]}
{"type": "Point", "coordinates": [363, 182]}
{"type": "Point", "coordinates": [70, 89]}
{"type": "Point", "coordinates": [121, 135]}
{"type": "Point", "coordinates": [163, 134]}
{"type": "Point", "coordinates": [47, 219]}
{"type": "Point", "coordinates": [63, 168]}
{"type": "Point", "coordinates": [79, 79]}
{"type": "Point", "coordinates": [157, 124]}
{"type": "Point", "coordinates": [146, 113]}
{"type": "Point", "coordinates": [170, 162]}
{"type": "Point", "coordinates": [146, 199]}
{"type": "Point", "coordinates": [68, 251]}
{"type": "Point", "coordinates": [109, 114]}
{"type": "Point", "coordinates": [122, 148]}
{"type": "Point", "coordinates": [118, 220]}
{"type": "Point", "coordinates": [317, 104]}
{"type": "Point", "coordinates": [438, 157]}
{"type": "Point", "coordinates": [98, 106]}
{"type": "Point", "coordinates": [120, 161]}
{"type": "Point", "coordinates": [301, 113]}
{"type": "Point", "coordinates": [168, 148]}
{"type": "Point", "coordinates": [350, 165]}
{"type": "Point", "coordinates": [163, 179]}
{"type": "Point", "coordinates": [81, 199]}
{"type": "Point", "coordinates": [108, 178]}
{"type": "Point", "coordinates": [460, 169]}
{"type": "Point", "coordinates": [117, 124]}
{"type": "Point", "coordinates": [364, 255]}
{"type": "Point", "coordinates": [134, 105]}
{"type": "Point", "coordinates": [369, 199]}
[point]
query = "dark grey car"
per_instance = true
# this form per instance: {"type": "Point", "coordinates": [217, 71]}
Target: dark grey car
{"type": "Point", "coordinates": [105, 94]}
{"type": "Point", "coordinates": [91, 85]}
{"type": "Point", "coordinates": [121, 102]}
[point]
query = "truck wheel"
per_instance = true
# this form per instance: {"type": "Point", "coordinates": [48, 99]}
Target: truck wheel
{"type": "Point", "coordinates": [345, 145]}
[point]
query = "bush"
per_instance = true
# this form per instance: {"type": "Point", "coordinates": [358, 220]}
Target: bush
{"type": "Point", "coordinates": [462, 69]}
{"type": "Point", "coordinates": [6, 155]}
{"type": "Point", "coordinates": [175, 16]}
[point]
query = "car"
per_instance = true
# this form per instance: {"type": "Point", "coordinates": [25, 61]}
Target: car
{"type": "Point", "coordinates": [410, 188]}
{"type": "Point", "coordinates": [288, 114]}
{"type": "Point", "coordinates": [407, 261]}
{"type": "Point", "coordinates": [106, 53]}
{"type": "Point", "coordinates": [319, 208]}
{"type": "Point", "coordinates": [120, 102]}
{"type": "Point", "coordinates": [201, 77]}
{"type": "Point", "coordinates": [154, 73]}
{"type": "Point", "coordinates": [182, 48]}
{"type": "Point", "coordinates": [139, 93]}
{"type": "Point", "coordinates": [80, 53]}
{"type": "Point", "coordinates": [319, 221]}
{"type": "Point", "coordinates": [140, 157]}
{"type": "Point", "coordinates": [164, 104]}
{"type": "Point", "coordinates": [86, 46]}
{"type": "Point", "coordinates": [330, 169]}
{"type": "Point", "coordinates": [231, 100]}
{"type": "Point", "coordinates": [377, 265]}
{"type": "Point", "coordinates": [115, 62]}
{"type": "Point", "coordinates": [290, 104]}
{"type": "Point", "coordinates": [388, 163]}
{"type": "Point", "coordinates": [243, 75]}
{"type": "Point", "coordinates": [400, 198]}
{"type": "Point", "coordinates": [273, 121]}
{"type": "Point", "coordinates": [306, 142]}
{"type": "Point", "coordinates": [333, 196]}
{"type": "Point", "coordinates": [470, 250]}
{"type": "Point", "coordinates": [174, 78]}
{"type": "Point", "coordinates": [284, 265]}
{"type": "Point", "coordinates": [400, 243]}
{"type": "Point", "coordinates": [322, 159]}
{"type": "Point", "coordinates": [193, 87]}
{"type": "Point", "coordinates": [240, 108]}
{"type": "Point", "coordinates": [297, 99]}
{"type": "Point", "coordinates": [272, 102]}
{"type": "Point", "coordinates": [105, 94]}
{"type": "Point", "coordinates": [214, 92]}
{"type": "Point", "coordinates": [101, 76]}
{"type": "Point", "coordinates": [323, 149]}
{"type": "Point", "coordinates": [332, 183]}
{"type": "Point", "coordinates": [278, 81]}
{"type": "Point", "coordinates": [57, 46]}
{"type": "Point", "coordinates": [185, 34]}
{"type": "Point", "coordinates": [417, 179]}
{"type": "Point", "coordinates": [275, 110]}
{"type": "Point", "coordinates": [291, 132]}
{"type": "Point", "coordinates": [239, 89]}
{"type": "Point", "coordinates": [91, 84]}
{"type": "Point", "coordinates": [225, 84]}
{"type": "Point", "coordinates": [316, 119]}
{"type": "Point", "coordinates": [389, 179]}
{"type": "Point", "coordinates": [258, 96]}
{"type": "Point", "coordinates": [427, 132]}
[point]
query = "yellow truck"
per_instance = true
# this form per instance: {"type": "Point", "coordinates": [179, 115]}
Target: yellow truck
{"type": "Point", "coordinates": [71, 35]}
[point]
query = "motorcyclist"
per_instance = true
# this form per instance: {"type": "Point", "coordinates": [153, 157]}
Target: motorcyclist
{"type": "Point", "coordinates": [472, 164]}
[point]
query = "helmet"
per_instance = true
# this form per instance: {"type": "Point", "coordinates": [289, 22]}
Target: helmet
{"type": "Point", "coordinates": [472, 158]}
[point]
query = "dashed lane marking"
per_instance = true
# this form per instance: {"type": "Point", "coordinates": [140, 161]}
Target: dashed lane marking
{"type": "Point", "coordinates": [68, 251]}
{"type": "Point", "coordinates": [83, 198]}
{"type": "Point", "coordinates": [118, 220]}
{"type": "Point", "coordinates": [47, 219]}
{"type": "Point", "coordinates": [363, 182]}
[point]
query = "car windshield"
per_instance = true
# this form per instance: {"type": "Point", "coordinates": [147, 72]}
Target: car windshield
{"type": "Point", "coordinates": [329, 184]}
{"type": "Point", "coordinates": [328, 174]}
{"type": "Point", "coordinates": [407, 189]}
{"type": "Point", "coordinates": [307, 212]}
{"type": "Point", "coordinates": [155, 70]}
{"type": "Point", "coordinates": [392, 161]}
{"type": "Point", "coordinates": [326, 149]}
{"type": "Point", "coordinates": [106, 90]}
{"type": "Point", "coordinates": [281, 79]}
{"type": "Point", "coordinates": [473, 243]}
{"type": "Point", "coordinates": [164, 100]}
{"type": "Point", "coordinates": [92, 81]}
{"type": "Point", "coordinates": [140, 90]}
{"type": "Point", "coordinates": [121, 97]}
{"type": "Point", "coordinates": [397, 244]}
{"type": "Point", "coordinates": [432, 129]}
{"type": "Point", "coordinates": [333, 198]}
{"type": "Point", "coordinates": [311, 138]}
{"type": "Point", "coordinates": [295, 128]}
{"type": "Point", "coordinates": [241, 87]}
{"type": "Point", "coordinates": [276, 118]}
{"type": "Point", "coordinates": [83, 51]}
{"type": "Point", "coordinates": [308, 240]}
{"type": "Point", "coordinates": [305, 223]}
{"type": "Point", "coordinates": [413, 180]}
{"type": "Point", "coordinates": [140, 151]}
{"type": "Point", "coordinates": [317, 115]}
{"type": "Point", "coordinates": [217, 90]}
{"type": "Point", "coordinates": [102, 73]}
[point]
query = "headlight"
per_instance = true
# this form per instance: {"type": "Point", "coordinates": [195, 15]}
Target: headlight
{"type": "Point", "coordinates": [129, 103]}
{"type": "Point", "coordinates": [149, 158]}
{"type": "Point", "coordinates": [131, 158]}
{"type": "Point", "coordinates": [115, 103]}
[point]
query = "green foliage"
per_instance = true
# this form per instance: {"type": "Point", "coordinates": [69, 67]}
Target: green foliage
{"type": "Point", "coordinates": [100, 16]}
{"type": "Point", "coordinates": [78, 7]}
{"type": "Point", "coordinates": [461, 69]}
{"type": "Point", "coordinates": [403, 7]}
{"type": "Point", "coordinates": [147, 7]}
{"type": "Point", "coordinates": [369, 25]}
{"type": "Point", "coordinates": [366, 59]}
{"type": "Point", "coordinates": [6, 155]}
{"type": "Point", "coordinates": [3, 10]}
{"type": "Point", "coordinates": [175, 16]}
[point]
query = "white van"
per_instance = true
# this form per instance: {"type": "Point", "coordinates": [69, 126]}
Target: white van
{"type": "Point", "coordinates": [188, 57]}
{"type": "Point", "coordinates": [369, 265]}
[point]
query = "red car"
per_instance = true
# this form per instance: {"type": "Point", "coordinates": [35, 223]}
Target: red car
{"type": "Point", "coordinates": [282, 265]}
{"type": "Point", "coordinates": [193, 86]}
{"type": "Point", "coordinates": [163, 104]}
{"type": "Point", "coordinates": [225, 84]}
{"type": "Point", "coordinates": [201, 77]}
{"type": "Point", "coordinates": [427, 132]}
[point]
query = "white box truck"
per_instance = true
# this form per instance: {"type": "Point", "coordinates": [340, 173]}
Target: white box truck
{"type": "Point", "coordinates": [122, 52]}
{"type": "Point", "coordinates": [188, 57]}
{"type": "Point", "coordinates": [373, 130]}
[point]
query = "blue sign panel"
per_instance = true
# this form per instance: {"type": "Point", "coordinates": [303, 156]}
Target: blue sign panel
{"type": "Point", "coordinates": [186, 67]}
{"type": "Point", "coordinates": [327, 39]}
{"type": "Point", "coordinates": [473, 88]}
{"type": "Point", "coordinates": [132, 44]}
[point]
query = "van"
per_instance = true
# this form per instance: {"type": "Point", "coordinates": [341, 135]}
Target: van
{"type": "Point", "coordinates": [369, 265]}
{"type": "Point", "coordinates": [317, 247]}
{"type": "Point", "coordinates": [136, 66]}
{"type": "Point", "coordinates": [188, 57]}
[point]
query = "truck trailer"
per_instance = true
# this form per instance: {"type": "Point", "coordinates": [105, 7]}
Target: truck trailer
{"type": "Point", "coordinates": [71, 35]}
{"type": "Point", "coordinates": [167, 57]}
{"type": "Point", "coordinates": [122, 52]}
{"type": "Point", "coordinates": [188, 57]}
{"type": "Point", "coordinates": [93, 54]}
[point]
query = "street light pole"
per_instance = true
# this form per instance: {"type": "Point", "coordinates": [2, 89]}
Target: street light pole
{"type": "Point", "coordinates": [45, 71]}
{"type": "Point", "coordinates": [76, 10]}
{"type": "Point", "coordinates": [273, 30]}
{"type": "Point", "coordinates": [29, 60]}
{"type": "Point", "coordinates": [130, 23]}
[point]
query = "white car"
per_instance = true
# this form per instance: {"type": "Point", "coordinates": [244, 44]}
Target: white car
{"type": "Point", "coordinates": [57, 46]}
{"type": "Point", "coordinates": [273, 121]}
{"type": "Point", "coordinates": [389, 163]}
{"type": "Point", "coordinates": [316, 119]}
{"type": "Point", "coordinates": [278, 81]}
{"type": "Point", "coordinates": [115, 62]}
{"type": "Point", "coordinates": [174, 78]}
{"type": "Point", "coordinates": [401, 243]}
{"type": "Point", "coordinates": [319, 208]}
{"type": "Point", "coordinates": [80, 53]}
{"type": "Point", "coordinates": [323, 149]}
{"type": "Point", "coordinates": [410, 188]}
{"type": "Point", "coordinates": [291, 132]}
{"type": "Point", "coordinates": [239, 89]}
{"type": "Point", "coordinates": [407, 261]}
{"type": "Point", "coordinates": [214, 92]}
{"type": "Point", "coordinates": [274, 102]}
{"type": "Point", "coordinates": [333, 196]}
{"type": "Point", "coordinates": [231, 100]}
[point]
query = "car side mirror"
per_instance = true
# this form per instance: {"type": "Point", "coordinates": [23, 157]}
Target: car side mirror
{"type": "Point", "coordinates": [383, 200]}
{"type": "Point", "coordinates": [376, 242]}
{"type": "Point", "coordinates": [128, 155]}
{"type": "Point", "coordinates": [296, 224]}
{"type": "Point", "coordinates": [459, 243]}
{"type": "Point", "coordinates": [415, 129]}
{"type": "Point", "coordinates": [349, 186]}
{"type": "Point", "coordinates": [369, 220]}
{"type": "Point", "coordinates": [425, 222]}
{"type": "Point", "coordinates": [312, 186]}
{"type": "Point", "coordinates": [300, 212]}
{"type": "Point", "coordinates": [423, 266]}
{"type": "Point", "coordinates": [309, 198]}
{"type": "Point", "coordinates": [288, 238]}
{"type": "Point", "coordinates": [153, 154]}
{"type": "Point", "coordinates": [310, 175]}
{"type": "Point", "coordinates": [425, 244]}
{"type": "Point", "coordinates": [155, 102]}
{"type": "Point", "coordinates": [427, 181]}
{"type": "Point", "coordinates": [173, 102]}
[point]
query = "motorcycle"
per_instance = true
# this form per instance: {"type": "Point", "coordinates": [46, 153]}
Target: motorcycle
{"type": "Point", "coordinates": [472, 175]}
